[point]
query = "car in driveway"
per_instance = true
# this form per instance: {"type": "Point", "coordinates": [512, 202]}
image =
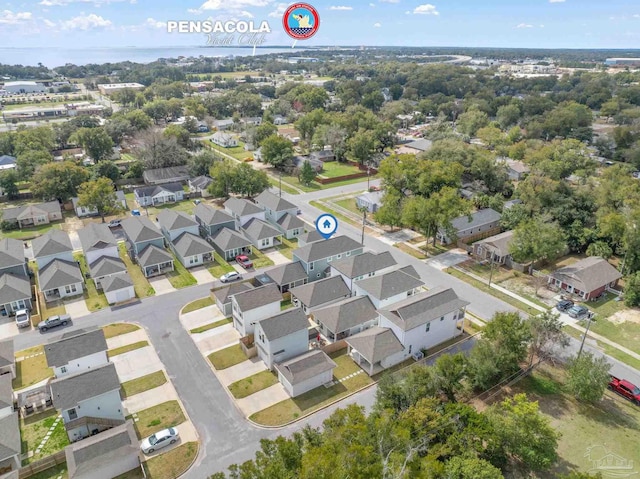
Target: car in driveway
{"type": "Point", "coordinates": [159, 440]}
{"type": "Point", "coordinates": [244, 261]}
{"type": "Point", "coordinates": [114, 224]}
{"type": "Point", "coordinates": [576, 311]}
{"type": "Point", "coordinates": [23, 318]}
{"type": "Point", "coordinates": [54, 322]}
{"type": "Point", "coordinates": [564, 305]}
{"type": "Point", "coordinates": [229, 277]}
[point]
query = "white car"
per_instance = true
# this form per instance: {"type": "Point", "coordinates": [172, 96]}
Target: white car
{"type": "Point", "coordinates": [228, 277]}
{"type": "Point", "coordinates": [23, 318]}
{"type": "Point", "coordinates": [159, 440]}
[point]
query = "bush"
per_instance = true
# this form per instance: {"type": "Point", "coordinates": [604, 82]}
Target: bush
{"type": "Point", "coordinates": [8, 226]}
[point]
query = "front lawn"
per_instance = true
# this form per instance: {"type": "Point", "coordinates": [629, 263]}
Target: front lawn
{"type": "Point", "coordinates": [30, 233]}
{"type": "Point", "coordinates": [140, 284]}
{"type": "Point", "coordinates": [33, 431]}
{"type": "Point", "coordinates": [219, 267]}
{"type": "Point", "coordinates": [252, 384]}
{"type": "Point", "coordinates": [286, 247]}
{"type": "Point", "coordinates": [180, 277]}
{"type": "Point", "coordinates": [117, 329]}
{"type": "Point", "coordinates": [125, 349]}
{"type": "Point", "coordinates": [210, 326]}
{"type": "Point", "coordinates": [173, 463]}
{"type": "Point", "coordinates": [156, 418]}
{"type": "Point", "coordinates": [333, 169]}
{"type": "Point", "coordinates": [350, 205]}
{"type": "Point", "coordinates": [32, 370]}
{"type": "Point", "coordinates": [625, 333]}
{"type": "Point", "coordinates": [237, 152]}
{"type": "Point", "coordinates": [95, 300]}
{"type": "Point", "coordinates": [606, 307]}
{"type": "Point", "coordinates": [227, 357]}
{"type": "Point", "coordinates": [260, 260]}
{"type": "Point", "coordinates": [142, 384]}
{"type": "Point", "coordinates": [286, 188]}
{"type": "Point", "coordinates": [410, 251]}
{"type": "Point", "coordinates": [197, 304]}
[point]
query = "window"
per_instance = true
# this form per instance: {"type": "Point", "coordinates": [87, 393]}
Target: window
{"type": "Point", "coordinates": [265, 242]}
{"type": "Point", "coordinates": [318, 275]}
{"type": "Point", "coordinates": [70, 288]}
{"type": "Point", "coordinates": [72, 414]}
{"type": "Point", "coordinates": [261, 337]}
{"type": "Point", "coordinates": [63, 369]}
{"type": "Point", "coordinates": [311, 266]}
{"type": "Point", "coordinates": [442, 318]}
{"type": "Point", "coordinates": [192, 260]}
{"type": "Point", "coordinates": [428, 327]}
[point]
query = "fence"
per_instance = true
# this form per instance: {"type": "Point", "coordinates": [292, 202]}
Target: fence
{"type": "Point", "coordinates": [333, 347]}
{"type": "Point", "coordinates": [326, 181]}
{"type": "Point", "coordinates": [27, 195]}
{"type": "Point", "coordinates": [42, 465]}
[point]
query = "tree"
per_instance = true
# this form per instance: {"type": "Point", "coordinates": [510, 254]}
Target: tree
{"type": "Point", "coordinates": [8, 180]}
{"type": "Point", "coordinates": [96, 142]}
{"type": "Point", "coordinates": [390, 213]}
{"type": "Point", "coordinates": [28, 161]}
{"type": "Point", "coordinates": [471, 121]}
{"type": "Point", "coordinates": [463, 467]}
{"type": "Point", "coordinates": [58, 180]}
{"type": "Point", "coordinates": [537, 240]}
{"type": "Point", "coordinates": [139, 120]}
{"type": "Point", "coordinates": [180, 133]}
{"type": "Point", "coordinates": [631, 288]}
{"type": "Point", "coordinates": [118, 128]}
{"type": "Point", "coordinates": [307, 174]}
{"type": "Point", "coordinates": [248, 181]}
{"type": "Point", "coordinates": [600, 248]}
{"type": "Point", "coordinates": [508, 115]}
{"type": "Point", "coordinates": [106, 169]}
{"type": "Point", "coordinates": [222, 173]}
{"type": "Point", "coordinates": [546, 333]}
{"type": "Point", "coordinates": [263, 131]}
{"type": "Point", "coordinates": [588, 377]}
{"type": "Point", "coordinates": [201, 163]}
{"type": "Point", "coordinates": [158, 151]}
{"type": "Point", "coordinates": [448, 372]}
{"type": "Point", "coordinates": [276, 151]}
{"type": "Point", "coordinates": [100, 195]}
{"type": "Point", "coordinates": [360, 145]}
{"type": "Point", "coordinates": [509, 334]}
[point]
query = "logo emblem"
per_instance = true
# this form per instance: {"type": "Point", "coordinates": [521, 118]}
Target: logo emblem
{"type": "Point", "coordinates": [301, 21]}
{"type": "Point", "coordinates": [326, 225]}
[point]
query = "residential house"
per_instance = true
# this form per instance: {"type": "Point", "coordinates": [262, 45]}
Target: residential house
{"type": "Point", "coordinates": [32, 215]}
{"type": "Point", "coordinates": [281, 213]}
{"type": "Point", "coordinates": [251, 121]}
{"type": "Point", "coordinates": [12, 257]}
{"type": "Point", "coordinates": [290, 134]}
{"type": "Point", "coordinates": [291, 226]}
{"type": "Point", "coordinates": [257, 154]}
{"type": "Point", "coordinates": [511, 203]}
{"type": "Point", "coordinates": [309, 237]}
{"type": "Point", "coordinates": [98, 241]}
{"type": "Point", "coordinates": [212, 220]}
{"type": "Point", "coordinates": [305, 372]}
{"type": "Point", "coordinates": [223, 124]}
{"type": "Point", "coordinates": [191, 250]}
{"type": "Point", "coordinates": [516, 169]}
{"type": "Point", "coordinates": [84, 211]}
{"type": "Point", "coordinates": [320, 293]}
{"type": "Point", "coordinates": [587, 278]}
{"type": "Point", "coordinates": [371, 200]}
{"type": "Point", "coordinates": [76, 352]}
{"type": "Point", "coordinates": [89, 401]}
{"type": "Point", "coordinates": [162, 176]}
{"type": "Point", "coordinates": [345, 318]}
{"type": "Point", "coordinates": [261, 233]}
{"type": "Point", "coordinates": [8, 162]}
{"type": "Point", "coordinates": [106, 267]}
{"type": "Point", "coordinates": [222, 296]}
{"type": "Point", "coordinates": [109, 454]}
{"type": "Point", "coordinates": [155, 261]}
{"type": "Point", "coordinates": [282, 336]}
{"type": "Point", "coordinates": [254, 305]}
{"type": "Point", "coordinates": [495, 249]}
{"type": "Point", "coordinates": [316, 257]}
{"type": "Point", "coordinates": [467, 226]}
{"type": "Point", "coordinates": [375, 349]}
{"type": "Point", "coordinates": [158, 195]}
{"type": "Point", "coordinates": [118, 288]}
{"type": "Point", "coordinates": [229, 243]}
{"type": "Point", "coordinates": [7, 358]}
{"type": "Point", "coordinates": [60, 279]}
{"type": "Point", "coordinates": [200, 184]}
{"type": "Point", "coordinates": [225, 140]}
{"type": "Point", "coordinates": [388, 288]}
{"type": "Point", "coordinates": [287, 276]}
{"type": "Point", "coordinates": [243, 210]}
{"type": "Point", "coordinates": [361, 266]}
{"type": "Point", "coordinates": [298, 161]}
{"type": "Point", "coordinates": [15, 294]}
{"type": "Point", "coordinates": [415, 147]}
{"type": "Point", "coordinates": [323, 155]}
{"type": "Point", "coordinates": [55, 244]}
{"type": "Point", "coordinates": [10, 445]}
{"type": "Point", "coordinates": [175, 223]}
{"type": "Point", "coordinates": [279, 120]}
{"type": "Point", "coordinates": [140, 233]}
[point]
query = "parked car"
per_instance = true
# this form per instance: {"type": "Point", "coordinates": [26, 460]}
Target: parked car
{"type": "Point", "coordinates": [23, 318]}
{"type": "Point", "coordinates": [244, 261]}
{"type": "Point", "coordinates": [229, 277]}
{"type": "Point", "coordinates": [625, 389]}
{"type": "Point", "coordinates": [54, 321]}
{"type": "Point", "coordinates": [159, 440]}
{"type": "Point", "coordinates": [564, 305]}
{"type": "Point", "coordinates": [114, 223]}
{"type": "Point", "coordinates": [577, 311]}
{"type": "Point", "coordinates": [135, 212]}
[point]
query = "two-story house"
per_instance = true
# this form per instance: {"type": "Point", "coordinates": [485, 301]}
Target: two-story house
{"type": "Point", "coordinates": [345, 318]}
{"type": "Point", "coordinates": [158, 194]}
{"type": "Point", "coordinates": [101, 252]}
{"type": "Point", "coordinates": [388, 288]}
{"type": "Point", "coordinates": [319, 293]}
{"type": "Point", "coordinates": [59, 275]}
{"type": "Point", "coordinates": [211, 220]}
{"type": "Point", "coordinates": [281, 213]}
{"type": "Point", "coordinates": [77, 351]}
{"type": "Point", "coordinates": [261, 233]}
{"type": "Point", "coordinates": [140, 233]}
{"type": "Point", "coordinates": [316, 257]}
{"type": "Point", "coordinates": [282, 336]}
{"type": "Point", "coordinates": [361, 266]}
{"type": "Point", "coordinates": [254, 305]}
{"type": "Point", "coordinates": [243, 210]}
{"type": "Point", "coordinates": [309, 237]}
{"type": "Point", "coordinates": [10, 443]}
{"type": "Point", "coordinates": [174, 223]}
{"type": "Point", "coordinates": [229, 243]}
{"type": "Point", "coordinates": [15, 287]}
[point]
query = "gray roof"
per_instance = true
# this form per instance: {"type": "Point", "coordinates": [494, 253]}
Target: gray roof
{"type": "Point", "coordinates": [242, 207]}
{"type": "Point", "coordinates": [105, 266]}
{"type": "Point", "coordinates": [210, 215]}
{"type": "Point", "coordinates": [324, 249]}
{"type": "Point", "coordinates": [389, 284]}
{"type": "Point", "coordinates": [423, 308]}
{"type": "Point", "coordinates": [10, 444]}
{"type": "Point", "coordinates": [6, 353]}
{"type": "Point", "coordinates": [53, 242]}
{"type": "Point", "coordinates": [7, 160]}
{"type": "Point", "coordinates": [11, 253]}
{"type": "Point", "coordinates": [116, 282]}
{"type": "Point", "coordinates": [371, 197]}
{"type": "Point", "coordinates": [290, 222]}
{"type": "Point", "coordinates": [310, 237]}
{"type": "Point", "coordinates": [346, 314]}
{"type": "Point", "coordinates": [188, 244]}
{"type": "Point", "coordinates": [410, 270]}
{"type": "Point", "coordinates": [155, 189]}
{"type": "Point", "coordinates": [152, 255]}
{"type": "Point", "coordinates": [227, 239]}
{"type": "Point", "coordinates": [69, 391]}
{"type": "Point", "coordinates": [59, 273]}
{"type": "Point", "coordinates": [140, 228]}
{"type": "Point", "coordinates": [306, 366]}
{"type": "Point", "coordinates": [175, 220]}
{"type": "Point", "coordinates": [258, 229]}
{"type": "Point", "coordinates": [365, 263]}
{"type": "Point", "coordinates": [274, 202]}
{"type": "Point", "coordinates": [375, 344]}
{"type": "Point", "coordinates": [6, 391]}
{"type": "Point", "coordinates": [13, 213]}
{"type": "Point", "coordinates": [166, 174]}
{"type": "Point", "coordinates": [201, 182]}
{"type": "Point", "coordinates": [96, 236]}
{"type": "Point", "coordinates": [422, 144]}
{"type": "Point", "coordinates": [321, 292]}
{"type": "Point", "coordinates": [224, 294]}
{"type": "Point", "coordinates": [284, 324]}
{"type": "Point", "coordinates": [479, 218]}
{"type": "Point", "coordinates": [588, 274]}
{"type": "Point", "coordinates": [498, 244]}
{"type": "Point", "coordinates": [74, 345]}
{"type": "Point", "coordinates": [287, 273]}
{"type": "Point", "coordinates": [511, 203]}
{"type": "Point", "coordinates": [14, 288]}
{"type": "Point", "coordinates": [257, 297]}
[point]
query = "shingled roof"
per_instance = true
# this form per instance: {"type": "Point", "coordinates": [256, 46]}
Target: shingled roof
{"type": "Point", "coordinates": [375, 344]}
{"type": "Point", "coordinates": [363, 264]}
{"type": "Point", "coordinates": [287, 273]}
{"type": "Point", "coordinates": [14, 288]}
{"type": "Point", "coordinates": [257, 297]}
{"type": "Point", "coordinates": [53, 242]}
{"type": "Point", "coordinates": [105, 266]}
{"type": "Point", "coordinates": [11, 253]}
{"type": "Point", "coordinates": [140, 228]}
{"type": "Point", "coordinates": [227, 239]}
{"type": "Point", "coordinates": [188, 244]}
{"type": "Point", "coordinates": [116, 282]}
{"type": "Point", "coordinates": [175, 220]}
{"type": "Point", "coordinates": [324, 249]}
{"type": "Point", "coordinates": [284, 324]}
{"type": "Point", "coordinates": [96, 236]}
{"type": "Point", "coordinates": [59, 273]}
{"type": "Point", "coordinates": [306, 366]}
{"type": "Point", "coordinates": [259, 230]}
{"type": "Point", "coordinates": [346, 314]}
{"type": "Point", "coordinates": [242, 207]}
{"type": "Point", "coordinates": [10, 444]}
{"type": "Point", "coordinates": [69, 391]}
{"type": "Point", "coordinates": [151, 255]}
{"type": "Point", "coordinates": [387, 285]}
{"type": "Point", "coordinates": [588, 274]}
{"type": "Point", "coordinates": [321, 292]}
{"type": "Point", "coordinates": [274, 202]}
{"type": "Point", "coordinates": [74, 345]}
{"type": "Point", "coordinates": [210, 215]}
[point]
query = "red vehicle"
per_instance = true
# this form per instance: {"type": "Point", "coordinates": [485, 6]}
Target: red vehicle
{"type": "Point", "coordinates": [244, 261]}
{"type": "Point", "coordinates": [625, 389]}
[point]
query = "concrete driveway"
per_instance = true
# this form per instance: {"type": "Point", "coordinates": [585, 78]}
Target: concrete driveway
{"type": "Point", "coordinates": [161, 285]}
{"type": "Point", "coordinates": [202, 275]}
{"type": "Point", "coordinates": [136, 363]}
{"type": "Point", "coordinates": [150, 398]}
{"type": "Point", "coordinates": [399, 236]}
{"type": "Point", "coordinates": [129, 338]}
{"type": "Point", "coordinates": [450, 258]}
{"type": "Point", "coordinates": [277, 257]}
{"type": "Point", "coordinates": [9, 328]}
{"type": "Point", "coordinates": [200, 317]}
{"type": "Point", "coordinates": [240, 371]}
{"type": "Point", "coordinates": [187, 433]}
{"type": "Point", "coordinates": [216, 339]}
{"type": "Point", "coordinates": [76, 308]}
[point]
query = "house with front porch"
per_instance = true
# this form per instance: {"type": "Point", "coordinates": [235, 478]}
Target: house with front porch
{"type": "Point", "coordinates": [345, 318]}
{"type": "Point", "coordinates": [98, 241]}
{"type": "Point", "coordinates": [243, 210]}
{"type": "Point", "coordinates": [15, 294]}
{"type": "Point", "coordinates": [229, 243]}
{"type": "Point", "coordinates": [316, 257]}
{"type": "Point", "coordinates": [55, 244]}
{"type": "Point", "coordinates": [361, 266]}
{"type": "Point", "coordinates": [192, 250]}
{"type": "Point", "coordinates": [467, 226]}
{"type": "Point", "coordinates": [291, 226]}
{"type": "Point", "coordinates": [211, 220]}
{"type": "Point", "coordinates": [287, 276]}
{"type": "Point", "coordinates": [261, 233]}
{"type": "Point", "coordinates": [375, 349]}
{"type": "Point", "coordinates": [587, 278]}
{"type": "Point", "coordinates": [60, 279]}
{"type": "Point", "coordinates": [159, 194]}
{"type": "Point", "coordinates": [155, 261]}
{"type": "Point", "coordinates": [388, 288]}
{"type": "Point", "coordinates": [140, 233]}
{"type": "Point", "coordinates": [33, 215]}
{"type": "Point", "coordinates": [282, 336]}
{"type": "Point", "coordinates": [254, 305]}
{"type": "Point", "coordinates": [303, 373]}
{"type": "Point", "coordinates": [222, 296]}
{"type": "Point", "coordinates": [10, 445]}
{"type": "Point", "coordinates": [225, 140]}
{"type": "Point", "coordinates": [494, 249]}
{"type": "Point", "coordinates": [175, 223]}
{"type": "Point", "coordinates": [77, 351]}
{"type": "Point", "coordinates": [319, 293]}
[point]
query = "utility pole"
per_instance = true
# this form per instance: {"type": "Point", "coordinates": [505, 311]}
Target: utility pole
{"type": "Point", "coordinates": [280, 182]}
{"type": "Point", "coordinates": [364, 220]}
{"type": "Point", "coordinates": [368, 175]}
{"type": "Point", "coordinates": [491, 269]}
{"type": "Point", "coordinates": [584, 337]}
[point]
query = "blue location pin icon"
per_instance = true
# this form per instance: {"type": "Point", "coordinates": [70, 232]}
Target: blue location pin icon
{"type": "Point", "coordinates": [326, 225]}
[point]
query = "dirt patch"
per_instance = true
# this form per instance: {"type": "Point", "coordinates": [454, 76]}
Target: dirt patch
{"type": "Point", "coordinates": [72, 223]}
{"type": "Point", "coordinates": [626, 315]}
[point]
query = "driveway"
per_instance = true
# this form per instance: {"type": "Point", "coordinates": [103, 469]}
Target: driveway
{"type": "Point", "coordinates": [450, 258]}
{"type": "Point", "coordinates": [136, 363]}
{"type": "Point", "coordinates": [9, 328]}
{"type": "Point", "coordinates": [76, 308]}
{"type": "Point", "coordinates": [200, 317]}
{"type": "Point", "coordinates": [150, 398]}
{"type": "Point", "coordinates": [75, 240]}
{"type": "Point", "coordinates": [277, 257]}
{"type": "Point", "coordinates": [240, 371]}
{"type": "Point", "coordinates": [187, 433]}
{"type": "Point", "coordinates": [202, 275]}
{"type": "Point", "coordinates": [399, 236]}
{"type": "Point", "coordinates": [216, 339]}
{"type": "Point", "coordinates": [129, 338]}
{"type": "Point", "coordinates": [161, 285]}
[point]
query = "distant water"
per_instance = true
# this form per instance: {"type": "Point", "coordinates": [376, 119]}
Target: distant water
{"type": "Point", "coordinates": [55, 57]}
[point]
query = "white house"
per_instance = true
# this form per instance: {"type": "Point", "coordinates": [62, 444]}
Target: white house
{"type": "Point", "coordinates": [175, 223]}
{"type": "Point", "coordinates": [55, 244]}
{"type": "Point", "coordinates": [254, 305]}
{"type": "Point", "coordinates": [159, 194]}
{"type": "Point", "coordinates": [98, 241]}
{"type": "Point", "coordinates": [376, 349]}
{"type": "Point", "coordinates": [282, 336]}
{"type": "Point", "coordinates": [243, 210]}
{"type": "Point", "coordinates": [76, 352]}
{"type": "Point", "coordinates": [224, 140]}
{"type": "Point", "coordinates": [305, 372]}
{"type": "Point", "coordinates": [222, 296]}
{"type": "Point", "coordinates": [361, 266]}
{"type": "Point", "coordinates": [261, 233]}
{"type": "Point", "coordinates": [118, 288]}
{"type": "Point", "coordinates": [388, 288]}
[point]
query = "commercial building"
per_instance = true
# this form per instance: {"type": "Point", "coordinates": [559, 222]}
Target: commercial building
{"type": "Point", "coordinates": [111, 88]}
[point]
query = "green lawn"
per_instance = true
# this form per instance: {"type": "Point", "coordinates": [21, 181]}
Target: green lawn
{"type": "Point", "coordinates": [180, 277]}
{"type": "Point", "coordinates": [127, 157]}
{"type": "Point", "coordinates": [125, 349]}
{"type": "Point", "coordinates": [220, 266]}
{"type": "Point", "coordinates": [606, 306]}
{"type": "Point", "coordinates": [333, 169]}
{"type": "Point", "coordinates": [117, 329]}
{"type": "Point", "coordinates": [260, 260]}
{"type": "Point", "coordinates": [31, 370]}
{"type": "Point", "coordinates": [34, 429]}
{"type": "Point", "coordinates": [410, 251]}
{"type": "Point", "coordinates": [30, 233]}
{"type": "Point", "coordinates": [140, 283]}
{"type": "Point", "coordinates": [227, 357]}
{"type": "Point", "coordinates": [144, 383]}
{"type": "Point", "coordinates": [286, 188]}
{"type": "Point", "coordinates": [339, 216]}
{"type": "Point", "coordinates": [185, 206]}
{"type": "Point", "coordinates": [611, 351]}
{"type": "Point", "coordinates": [625, 334]}
{"type": "Point", "coordinates": [210, 326]}
{"type": "Point", "coordinates": [350, 205]}
{"type": "Point", "coordinates": [55, 472]}
{"type": "Point", "coordinates": [95, 300]}
{"type": "Point", "coordinates": [172, 463]}
{"type": "Point", "coordinates": [287, 246]}
{"type": "Point", "coordinates": [197, 304]}
{"type": "Point", "coordinates": [252, 384]}
{"type": "Point", "coordinates": [237, 152]}
{"type": "Point", "coordinates": [156, 418]}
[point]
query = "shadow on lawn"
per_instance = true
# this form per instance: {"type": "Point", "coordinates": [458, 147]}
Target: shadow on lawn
{"type": "Point", "coordinates": [314, 397]}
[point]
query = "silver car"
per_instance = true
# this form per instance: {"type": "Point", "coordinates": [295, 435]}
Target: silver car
{"type": "Point", "coordinates": [159, 440]}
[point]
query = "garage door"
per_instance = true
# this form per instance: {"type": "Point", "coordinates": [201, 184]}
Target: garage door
{"type": "Point", "coordinates": [122, 295]}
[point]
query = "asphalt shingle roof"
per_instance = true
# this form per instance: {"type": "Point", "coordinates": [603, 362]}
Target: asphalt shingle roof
{"type": "Point", "coordinates": [14, 288]}
{"type": "Point", "coordinates": [588, 274]}
{"type": "Point", "coordinates": [75, 345]}
{"type": "Point", "coordinates": [201, 182]}
{"type": "Point", "coordinates": [227, 239]}
{"type": "Point", "coordinates": [274, 202]}
{"type": "Point", "coordinates": [6, 391]}
{"type": "Point", "coordinates": [96, 236]}
{"type": "Point", "coordinates": [224, 294]}
{"type": "Point", "coordinates": [152, 255]}
{"type": "Point", "coordinates": [242, 207]}
{"type": "Point", "coordinates": [310, 237]}
{"type": "Point", "coordinates": [53, 242]}
{"type": "Point", "coordinates": [289, 222]}
{"type": "Point", "coordinates": [306, 366]}
{"type": "Point", "coordinates": [156, 189]}
{"type": "Point", "coordinates": [31, 210]}
{"type": "Point", "coordinates": [169, 173]}
{"type": "Point", "coordinates": [259, 230]}
{"type": "Point", "coordinates": [324, 249]}
{"type": "Point", "coordinates": [175, 220]}
{"type": "Point", "coordinates": [188, 244]}
{"type": "Point", "coordinates": [479, 218]}
{"type": "Point", "coordinates": [105, 266]}
{"type": "Point", "coordinates": [346, 314]}
{"type": "Point", "coordinates": [375, 344]}
{"type": "Point", "coordinates": [10, 444]}
{"type": "Point", "coordinates": [210, 215]}
{"type": "Point", "coordinates": [140, 228]}
{"type": "Point", "coordinates": [6, 352]}
{"type": "Point", "coordinates": [321, 292]}
{"type": "Point", "coordinates": [390, 284]}
{"type": "Point", "coordinates": [116, 282]}
{"type": "Point", "coordinates": [257, 297]}
{"type": "Point", "coordinates": [11, 253]}
{"type": "Point", "coordinates": [59, 273]}
{"type": "Point", "coordinates": [284, 324]}
{"type": "Point", "coordinates": [363, 264]}
{"type": "Point", "coordinates": [69, 391]}
{"type": "Point", "coordinates": [287, 273]}
{"type": "Point", "coordinates": [498, 244]}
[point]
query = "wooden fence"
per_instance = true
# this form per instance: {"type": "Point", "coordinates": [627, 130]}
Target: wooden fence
{"type": "Point", "coordinates": [42, 465]}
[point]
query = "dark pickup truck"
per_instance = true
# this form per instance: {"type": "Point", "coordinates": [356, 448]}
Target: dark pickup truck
{"type": "Point", "coordinates": [625, 389]}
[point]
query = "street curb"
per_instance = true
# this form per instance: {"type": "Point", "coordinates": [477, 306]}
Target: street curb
{"type": "Point", "coordinates": [180, 313]}
{"type": "Point", "coordinates": [195, 457]}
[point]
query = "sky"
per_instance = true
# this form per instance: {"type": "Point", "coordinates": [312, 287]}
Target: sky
{"type": "Point", "coordinates": [472, 23]}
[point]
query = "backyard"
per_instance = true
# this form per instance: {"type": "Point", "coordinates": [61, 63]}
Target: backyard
{"type": "Point", "coordinates": [30, 233]}
{"type": "Point", "coordinates": [34, 431]}
{"type": "Point", "coordinates": [141, 285]}
{"type": "Point", "coordinates": [156, 418]}
{"type": "Point", "coordinates": [180, 277]}
{"type": "Point", "coordinates": [95, 300]}
{"type": "Point", "coordinates": [32, 369]}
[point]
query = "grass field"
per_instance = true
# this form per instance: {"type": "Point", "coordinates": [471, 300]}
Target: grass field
{"type": "Point", "coordinates": [625, 334]}
{"type": "Point", "coordinates": [33, 369]}
{"type": "Point", "coordinates": [144, 383]}
{"type": "Point", "coordinates": [197, 304]}
{"type": "Point", "coordinates": [156, 418]}
{"type": "Point", "coordinates": [227, 357]}
{"type": "Point", "coordinates": [34, 429]}
{"type": "Point", "coordinates": [116, 329]}
{"type": "Point", "coordinates": [237, 152]}
{"type": "Point", "coordinates": [140, 284]}
{"type": "Point", "coordinates": [210, 326]}
{"type": "Point", "coordinates": [333, 169]}
{"type": "Point", "coordinates": [180, 277]}
{"type": "Point", "coordinates": [173, 463]}
{"type": "Point", "coordinates": [30, 233]}
{"type": "Point", "coordinates": [125, 349]}
{"type": "Point", "coordinates": [410, 251]}
{"type": "Point", "coordinates": [260, 260]}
